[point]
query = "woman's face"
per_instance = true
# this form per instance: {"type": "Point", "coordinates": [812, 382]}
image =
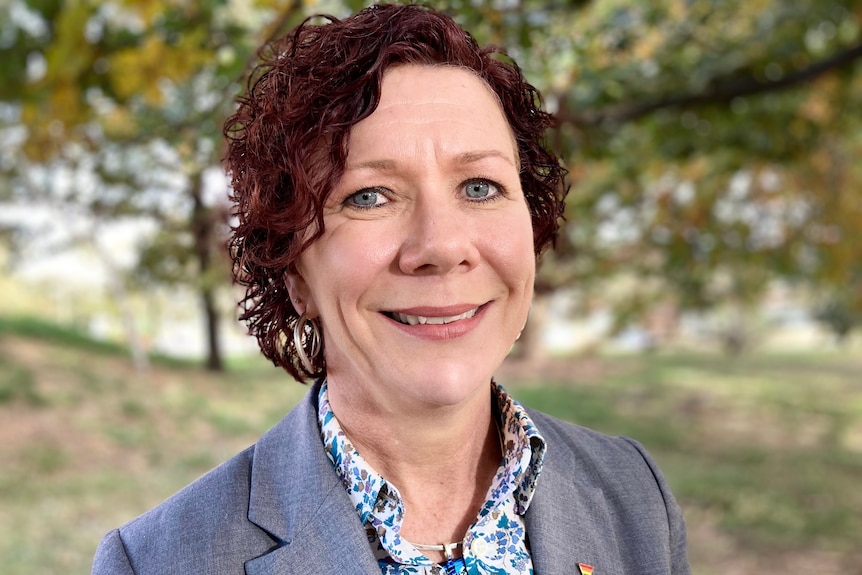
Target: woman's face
{"type": "Point", "coordinates": [424, 275]}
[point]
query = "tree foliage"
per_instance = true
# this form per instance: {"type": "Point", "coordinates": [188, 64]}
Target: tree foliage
{"type": "Point", "coordinates": [712, 144]}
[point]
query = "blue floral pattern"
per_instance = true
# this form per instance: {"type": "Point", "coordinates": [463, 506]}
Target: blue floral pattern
{"type": "Point", "coordinates": [496, 543]}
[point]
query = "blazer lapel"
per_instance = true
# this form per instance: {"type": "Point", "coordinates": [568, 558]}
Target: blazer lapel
{"type": "Point", "coordinates": [328, 543]}
{"type": "Point", "coordinates": [568, 522]}
{"type": "Point", "coordinates": [297, 498]}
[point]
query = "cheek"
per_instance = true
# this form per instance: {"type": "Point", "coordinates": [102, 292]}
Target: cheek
{"type": "Point", "coordinates": [513, 252]}
{"type": "Point", "coordinates": [347, 260]}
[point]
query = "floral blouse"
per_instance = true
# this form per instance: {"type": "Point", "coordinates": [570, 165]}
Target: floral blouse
{"type": "Point", "coordinates": [496, 543]}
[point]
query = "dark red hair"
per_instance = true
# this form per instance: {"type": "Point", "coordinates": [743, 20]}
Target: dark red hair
{"type": "Point", "coordinates": [287, 143]}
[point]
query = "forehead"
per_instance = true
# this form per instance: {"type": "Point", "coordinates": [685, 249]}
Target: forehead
{"type": "Point", "coordinates": [434, 104]}
{"type": "Point", "coordinates": [400, 83]}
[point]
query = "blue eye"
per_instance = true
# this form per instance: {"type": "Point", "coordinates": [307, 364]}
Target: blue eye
{"type": "Point", "coordinates": [481, 190]}
{"type": "Point", "coordinates": [367, 198]}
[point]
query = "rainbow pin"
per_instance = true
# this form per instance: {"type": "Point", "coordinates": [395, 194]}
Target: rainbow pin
{"type": "Point", "coordinates": [585, 569]}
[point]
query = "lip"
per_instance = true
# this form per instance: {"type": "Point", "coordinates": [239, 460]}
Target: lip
{"type": "Point", "coordinates": [434, 311]}
{"type": "Point", "coordinates": [438, 332]}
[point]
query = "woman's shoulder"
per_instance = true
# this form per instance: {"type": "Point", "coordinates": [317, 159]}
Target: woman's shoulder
{"type": "Point", "coordinates": [592, 452]}
{"type": "Point", "coordinates": [572, 435]}
{"type": "Point", "coordinates": [202, 528]}
{"type": "Point", "coordinates": [624, 479]}
{"type": "Point", "coordinates": [213, 492]}
{"type": "Point", "coordinates": [206, 527]}
{"type": "Point", "coordinates": [222, 494]}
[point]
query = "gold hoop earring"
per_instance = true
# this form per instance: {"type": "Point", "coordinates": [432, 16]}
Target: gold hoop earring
{"type": "Point", "coordinates": [303, 338]}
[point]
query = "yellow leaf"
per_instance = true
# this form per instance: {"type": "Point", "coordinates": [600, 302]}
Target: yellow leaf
{"type": "Point", "coordinates": [119, 123]}
{"type": "Point", "coordinates": [70, 53]}
{"type": "Point", "coordinates": [65, 104]}
{"type": "Point", "coordinates": [649, 44]}
{"type": "Point", "coordinates": [135, 70]}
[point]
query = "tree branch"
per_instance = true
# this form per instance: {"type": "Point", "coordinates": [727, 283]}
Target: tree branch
{"type": "Point", "coordinates": [724, 90]}
{"type": "Point", "coordinates": [273, 31]}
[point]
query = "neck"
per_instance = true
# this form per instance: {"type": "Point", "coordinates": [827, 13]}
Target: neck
{"type": "Point", "coordinates": [404, 440]}
{"type": "Point", "coordinates": [442, 459]}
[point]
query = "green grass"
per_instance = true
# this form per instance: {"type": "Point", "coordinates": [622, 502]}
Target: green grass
{"type": "Point", "coordinates": [764, 453]}
{"type": "Point", "coordinates": [17, 384]}
{"type": "Point", "coordinates": [36, 328]}
{"type": "Point", "coordinates": [70, 337]}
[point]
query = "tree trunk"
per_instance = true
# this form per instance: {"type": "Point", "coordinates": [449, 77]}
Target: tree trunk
{"type": "Point", "coordinates": [529, 347]}
{"type": "Point", "coordinates": [211, 318]}
{"type": "Point", "coordinates": [202, 228]}
{"type": "Point", "coordinates": [140, 360]}
{"type": "Point", "coordinates": [137, 350]}
{"type": "Point", "coordinates": [735, 339]}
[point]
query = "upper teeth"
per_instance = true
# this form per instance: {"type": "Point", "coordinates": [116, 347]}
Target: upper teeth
{"type": "Point", "coordinates": [422, 320]}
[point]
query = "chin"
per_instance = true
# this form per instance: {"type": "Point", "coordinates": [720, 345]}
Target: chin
{"type": "Point", "coordinates": [454, 384]}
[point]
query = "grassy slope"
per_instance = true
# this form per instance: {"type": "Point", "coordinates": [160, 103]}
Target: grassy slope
{"type": "Point", "coordinates": [764, 453]}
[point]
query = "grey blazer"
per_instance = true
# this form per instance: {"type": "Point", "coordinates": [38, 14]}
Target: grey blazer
{"type": "Point", "coordinates": [278, 508]}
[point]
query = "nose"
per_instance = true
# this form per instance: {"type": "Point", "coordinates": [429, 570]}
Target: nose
{"type": "Point", "coordinates": [439, 238]}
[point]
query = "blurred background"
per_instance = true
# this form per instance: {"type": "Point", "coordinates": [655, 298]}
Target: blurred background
{"type": "Point", "coordinates": [705, 296]}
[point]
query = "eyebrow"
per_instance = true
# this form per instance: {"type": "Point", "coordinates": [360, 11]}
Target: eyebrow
{"type": "Point", "coordinates": [464, 158]}
{"type": "Point", "coordinates": [479, 155]}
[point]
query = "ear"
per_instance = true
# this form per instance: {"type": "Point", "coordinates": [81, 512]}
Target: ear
{"type": "Point", "coordinates": [300, 294]}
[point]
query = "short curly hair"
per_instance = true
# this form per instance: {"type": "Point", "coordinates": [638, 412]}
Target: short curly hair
{"type": "Point", "coordinates": [287, 144]}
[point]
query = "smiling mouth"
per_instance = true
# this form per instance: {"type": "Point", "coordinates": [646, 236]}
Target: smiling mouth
{"type": "Point", "coordinates": [407, 319]}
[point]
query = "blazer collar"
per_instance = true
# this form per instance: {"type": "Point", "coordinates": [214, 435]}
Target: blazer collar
{"type": "Point", "coordinates": [296, 497]}
{"type": "Point", "coordinates": [568, 521]}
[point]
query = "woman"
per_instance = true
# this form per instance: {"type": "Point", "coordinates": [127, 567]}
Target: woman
{"type": "Point", "coordinates": [392, 196]}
